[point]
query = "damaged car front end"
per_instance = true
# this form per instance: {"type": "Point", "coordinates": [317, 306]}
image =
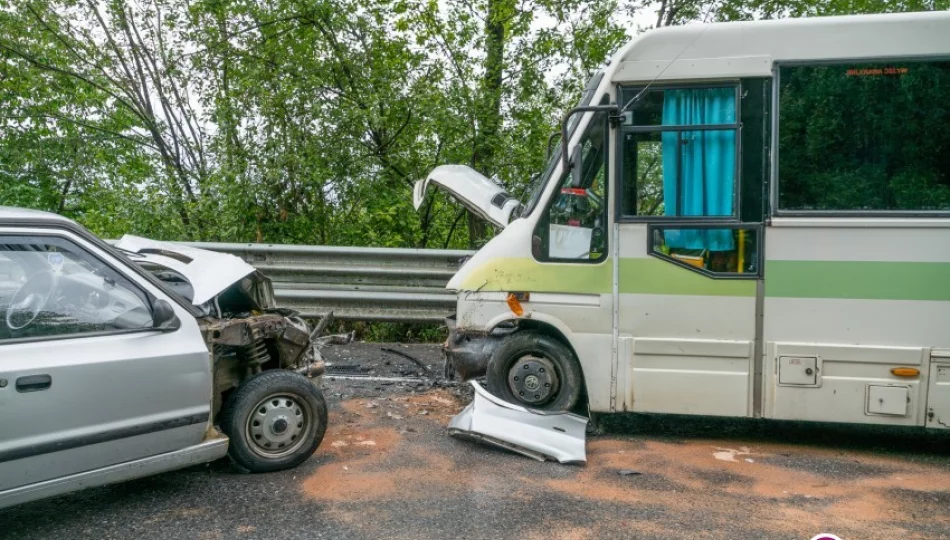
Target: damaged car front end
{"type": "Point", "coordinates": [242, 326]}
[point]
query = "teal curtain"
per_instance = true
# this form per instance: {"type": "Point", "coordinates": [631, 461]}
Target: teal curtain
{"type": "Point", "coordinates": [699, 166]}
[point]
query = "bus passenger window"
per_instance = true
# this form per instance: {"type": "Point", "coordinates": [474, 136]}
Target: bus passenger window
{"type": "Point", "coordinates": [648, 158]}
{"type": "Point", "coordinates": [715, 250]}
{"type": "Point", "coordinates": [678, 153]}
{"type": "Point", "coordinates": [864, 137]}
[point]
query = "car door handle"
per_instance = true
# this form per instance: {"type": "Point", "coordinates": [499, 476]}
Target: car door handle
{"type": "Point", "coordinates": [33, 383]}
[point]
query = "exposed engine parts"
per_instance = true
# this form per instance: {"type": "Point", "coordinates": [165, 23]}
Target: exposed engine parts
{"type": "Point", "coordinates": [246, 346]}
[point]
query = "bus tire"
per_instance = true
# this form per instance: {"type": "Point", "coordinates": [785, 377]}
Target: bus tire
{"type": "Point", "coordinates": [537, 371]}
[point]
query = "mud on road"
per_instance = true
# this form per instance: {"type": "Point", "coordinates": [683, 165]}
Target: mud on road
{"type": "Point", "coordinates": [387, 469]}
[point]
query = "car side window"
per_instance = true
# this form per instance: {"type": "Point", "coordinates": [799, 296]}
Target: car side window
{"type": "Point", "coordinates": [52, 287]}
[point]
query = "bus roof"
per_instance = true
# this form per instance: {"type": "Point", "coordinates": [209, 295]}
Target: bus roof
{"type": "Point", "coordinates": [749, 49]}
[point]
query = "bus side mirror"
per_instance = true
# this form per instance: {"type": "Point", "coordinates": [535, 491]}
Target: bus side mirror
{"type": "Point", "coordinates": [577, 177]}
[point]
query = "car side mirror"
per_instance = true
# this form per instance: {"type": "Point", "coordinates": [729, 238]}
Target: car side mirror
{"type": "Point", "coordinates": [577, 177]}
{"type": "Point", "coordinates": [163, 317]}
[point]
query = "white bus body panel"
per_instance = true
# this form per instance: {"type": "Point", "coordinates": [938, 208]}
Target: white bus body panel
{"type": "Point", "coordinates": [817, 308]}
{"type": "Point", "coordinates": [688, 346]}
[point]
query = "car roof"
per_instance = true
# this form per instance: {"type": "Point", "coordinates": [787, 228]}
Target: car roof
{"type": "Point", "coordinates": [16, 214]}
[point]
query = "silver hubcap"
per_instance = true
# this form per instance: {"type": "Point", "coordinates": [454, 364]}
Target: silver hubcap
{"type": "Point", "coordinates": [533, 380]}
{"type": "Point", "coordinates": [276, 426]}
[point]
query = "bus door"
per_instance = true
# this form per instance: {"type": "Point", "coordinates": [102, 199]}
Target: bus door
{"type": "Point", "coordinates": [689, 266]}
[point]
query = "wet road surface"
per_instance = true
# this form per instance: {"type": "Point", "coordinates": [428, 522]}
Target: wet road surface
{"type": "Point", "coordinates": [387, 469]}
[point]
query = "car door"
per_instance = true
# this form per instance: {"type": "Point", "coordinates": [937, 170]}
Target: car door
{"type": "Point", "coordinates": [86, 381]}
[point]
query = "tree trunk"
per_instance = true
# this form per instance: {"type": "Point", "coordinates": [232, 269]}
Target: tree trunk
{"type": "Point", "coordinates": [488, 113]}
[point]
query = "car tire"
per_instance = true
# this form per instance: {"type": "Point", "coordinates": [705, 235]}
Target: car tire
{"type": "Point", "coordinates": [275, 421]}
{"type": "Point", "coordinates": [537, 371]}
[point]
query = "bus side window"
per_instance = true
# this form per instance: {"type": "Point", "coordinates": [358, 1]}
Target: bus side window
{"type": "Point", "coordinates": [679, 153]}
{"type": "Point", "coordinates": [864, 137]}
{"type": "Point", "coordinates": [679, 159]}
{"type": "Point", "coordinates": [714, 250]}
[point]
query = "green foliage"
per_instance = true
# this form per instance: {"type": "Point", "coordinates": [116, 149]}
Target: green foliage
{"type": "Point", "coordinates": [396, 332]}
{"type": "Point", "coordinates": [292, 122]}
{"type": "Point", "coordinates": [302, 122]}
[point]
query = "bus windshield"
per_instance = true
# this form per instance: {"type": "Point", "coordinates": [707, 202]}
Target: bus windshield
{"type": "Point", "coordinates": [537, 187]}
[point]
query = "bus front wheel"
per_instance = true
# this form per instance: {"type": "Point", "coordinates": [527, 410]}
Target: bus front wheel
{"type": "Point", "coordinates": [536, 371]}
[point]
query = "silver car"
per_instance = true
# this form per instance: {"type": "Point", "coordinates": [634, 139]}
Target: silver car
{"type": "Point", "coordinates": [121, 364]}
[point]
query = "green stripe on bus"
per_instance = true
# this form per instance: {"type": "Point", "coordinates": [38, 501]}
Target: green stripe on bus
{"type": "Point", "coordinates": [870, 280]}
{"type": "Point", "coordinates": [637, 276]}
{"type": "Point", "coordinates": [523, 274]}
{"type": "Point", "coordinates": [656, 276]}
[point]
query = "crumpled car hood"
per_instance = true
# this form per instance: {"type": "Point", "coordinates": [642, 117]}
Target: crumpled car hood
{"type": "Point", "coordinates": [209, 272]}
{"type": "Point", "coordinates": [471, 189]}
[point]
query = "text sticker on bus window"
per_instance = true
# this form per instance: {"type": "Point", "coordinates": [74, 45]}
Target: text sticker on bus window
{"type": "Point", "coordinates": [874, 72]}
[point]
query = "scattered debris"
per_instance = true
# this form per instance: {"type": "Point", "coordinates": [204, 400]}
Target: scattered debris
{"type": "Point", "coordinates": [393, 416]}
{"type": "Point", "coordinates": [536, 434]}
{"type": "Point", "coordinates": [321, 326]}
{"type": "Point", "coordinates": [410, 380]}
{"type": "Point", "coordinates": [346, 369]}
{"type": "Point", "coordinates": [409, 357]}
{"type": "Point", "coordinates": [729, 454]}
{"type": "Point", "coordinates": [628, 472]}
{"type": "Point", "coordinates": [335, 339]}
{"type": "Point", "coordinates": [442, 400]}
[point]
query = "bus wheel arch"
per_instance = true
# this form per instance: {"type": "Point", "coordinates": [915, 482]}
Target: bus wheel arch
{"type": "Point", "coordinates": [537, 367]}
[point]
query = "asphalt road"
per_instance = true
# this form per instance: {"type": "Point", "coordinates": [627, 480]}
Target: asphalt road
{"type": "Point", "coordinates": [387, 469]}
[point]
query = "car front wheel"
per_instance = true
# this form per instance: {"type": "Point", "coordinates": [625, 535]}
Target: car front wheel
{"type": "Point", "coordinates": [275, 420]}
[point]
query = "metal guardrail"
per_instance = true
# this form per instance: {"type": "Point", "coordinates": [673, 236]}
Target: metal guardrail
{"type": "Point", "coordinates": [359, 284]}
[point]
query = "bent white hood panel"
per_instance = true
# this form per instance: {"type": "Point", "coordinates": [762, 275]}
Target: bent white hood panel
{"type": "Point", "coordinates": [536, 434]}
{"type": "Point", "coordinates": [209, 272]}
{"type": "Point", "coordinates": [473, 190]}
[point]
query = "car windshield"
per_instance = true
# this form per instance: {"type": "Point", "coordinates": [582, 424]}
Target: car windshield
{"type": "Point", "coordinates": [537, 187]}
